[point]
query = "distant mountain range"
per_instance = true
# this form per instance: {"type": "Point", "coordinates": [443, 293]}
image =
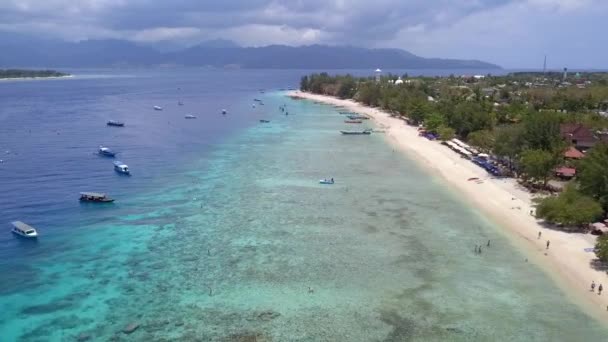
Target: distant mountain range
{"type": "Point", "coordinates": [31, 52]}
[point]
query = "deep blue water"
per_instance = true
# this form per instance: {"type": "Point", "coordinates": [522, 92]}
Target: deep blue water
{"type": "Point", "coordinates": [223, 233]}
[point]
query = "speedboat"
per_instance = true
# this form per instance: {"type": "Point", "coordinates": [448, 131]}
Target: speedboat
{"type": "Point", "coordinates": [95, 197]}
{"type": "Point", "coordinates": [326, 181]}
{"type": "Point", "coordinates": [224, 111]}
{"type": "Point", "coordinates": [158, 108]}
{"type": "Point", "coordinates": [104, 151]}
{"type": "Point", "coordinates": [121, 167]}
{"type": "Point", "coordinates": [190, 116]}
{"type": "Point", "coordinates": [115, 123]}
{"type": "Point", "coordinates": [24, 230]}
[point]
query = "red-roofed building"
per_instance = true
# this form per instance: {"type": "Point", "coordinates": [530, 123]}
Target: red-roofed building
{"type": "Point", "coordinates": [578, 135]}
{"type": "Point", "coordinates": [565, 172]}
{"type": "Point", "coordinates": [573, 153]}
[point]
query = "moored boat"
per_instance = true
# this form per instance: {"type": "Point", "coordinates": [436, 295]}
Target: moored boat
{"type": "Point", "coordinates": [121, 167]}
{"type": "Point", "coordinates": [24, 230]}
{"type": "Point", "coordinates": [104, 151]}
{"type": "Point", "coordinates": [190, 116]}
{"type": "Point", "coordinates": [115, 123]}
{"type": "Point", "coordinates": [364, 132]}
{"type": "Point", "coordinates": [326, 181]}
{"type": "Point", "coordinates": [357, 117]}
{"type": "Point", "coordinates": [264, 121]}
{"type": "Point", "coordinates": [224, 111]}
{"type": "Point", "coordinates": [180, 103]}
{"type": "Point", "coordinates": [95, 197]}
{"type": "Point", "coordinates": [353, 121]}
{"type": "Point", "coordinates": [157, 108]}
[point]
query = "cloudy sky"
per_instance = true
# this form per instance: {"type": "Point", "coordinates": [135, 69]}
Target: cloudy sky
{"type": "Point", "coordinates": [512, 33]}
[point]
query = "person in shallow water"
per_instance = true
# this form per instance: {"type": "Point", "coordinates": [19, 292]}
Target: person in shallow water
{"type": "Point", "coordinates": [599, 289]}
{"type": "Point", "coordinates": [548, 243]}
{"type": "Point", "coordinates": [592, 286]}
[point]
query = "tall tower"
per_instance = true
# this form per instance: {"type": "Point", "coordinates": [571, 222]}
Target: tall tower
{"type": "Point", "coordinates": [545, 66]}
{"type": "Point", "coordinates": [378, 73]}
{"type": "Point", "coordinates": [565, 74]}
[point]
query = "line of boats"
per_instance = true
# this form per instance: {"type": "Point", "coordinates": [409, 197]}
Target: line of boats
{"type": "Point", "coordinates": [26, 231]}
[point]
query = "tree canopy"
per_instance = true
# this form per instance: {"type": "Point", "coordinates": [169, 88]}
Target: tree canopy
{"type": "Point", "coordinates": [570, 208]}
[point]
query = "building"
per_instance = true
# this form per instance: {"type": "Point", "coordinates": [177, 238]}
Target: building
{"type": "Point", "coordinates": [578, 135]}
{"type": "Point", "coordinates": [378, 74]}
{"type": "Point", "coordinates": [573, 153]}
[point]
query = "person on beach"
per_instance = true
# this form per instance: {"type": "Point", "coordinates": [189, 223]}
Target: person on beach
{"type": "Point", "coordinates": [488, 243]}
{"type": "Point", "coordinates": [592, 286]}
{"type": "Point", "coordinates": [479, 249]}
{"type": "Point", "coordinates": [599, 289]}
{"type": "Point", "coordinates": [548, 243]}
{"type": "Point", "coordinates": [539, 234]}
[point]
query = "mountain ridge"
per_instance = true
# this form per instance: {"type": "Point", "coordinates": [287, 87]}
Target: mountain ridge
{"type": "Point", "coordinates": [217, 53]}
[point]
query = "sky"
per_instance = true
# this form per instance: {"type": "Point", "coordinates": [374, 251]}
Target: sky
{"type": "Point", "coordinates": [511, 33]}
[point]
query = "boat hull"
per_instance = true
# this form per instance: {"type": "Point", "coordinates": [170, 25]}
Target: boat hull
{"type": "Point", "coordinates": [356, 133]}
{"type": "Point", "coordinates": [25, 236]}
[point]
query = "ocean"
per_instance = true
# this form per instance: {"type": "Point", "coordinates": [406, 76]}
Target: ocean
{"type": "Point", "coordinates": [223, 232]}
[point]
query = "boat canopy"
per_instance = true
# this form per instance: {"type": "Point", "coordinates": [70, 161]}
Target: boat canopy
{"type": "Point", "coordinates": [25, 228]}
{"type": "Point", "coordinates": [93, 194]}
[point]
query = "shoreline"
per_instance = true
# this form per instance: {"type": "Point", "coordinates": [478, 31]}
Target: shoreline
{"type": "Point", "coordinates": [35, 78]}
{"type": "Point", "coordinates": [503, 201]}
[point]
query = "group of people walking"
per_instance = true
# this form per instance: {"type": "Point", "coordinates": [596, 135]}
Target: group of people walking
{"type": "Point", "coordinates": [599, 288]}
{"type": "Point", "coordinates": [478, 248]}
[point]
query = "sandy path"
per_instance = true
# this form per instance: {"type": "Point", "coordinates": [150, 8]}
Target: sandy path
{"type": "Point", "coordinates": [505, 202]}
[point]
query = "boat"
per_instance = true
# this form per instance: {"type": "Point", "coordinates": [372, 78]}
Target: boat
{"type": "Point", "coordinates": [190, 116]}
{"type": "Point", "coordinates": [24, 230]}
{"type": "Point", "coordinates": [257, 100]}
{"type": "Point", "coordinates": [121, 167]}
{"type": "Point", "coordinates": [364, 132]}
{"type": "Point", "coordinates": [357, 117]}
{"type": "Point", "coordinates": [104, 151]}
{"type": "Point", "coordinates": [115, 123]}
{"type": "Point", "coordinates": [180, 103]}
{"type": "Point", "coordinates": [264, 121]}
{"type": "Point", "coordinates": [95, 197]}
{"type": "Point", "coordinates": [224, 111]}
{"type": "Point", "coordinates": [353, 121]}
{"type": "Point", "coordinates": [326, 181]}
{"type": "Point", "coordinates": [157, 108]}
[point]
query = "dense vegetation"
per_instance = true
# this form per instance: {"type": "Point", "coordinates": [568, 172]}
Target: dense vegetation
{"type": "Point", "coordinates": [20, 73]}
{"type": "Point", "coordinates": [516, 117]}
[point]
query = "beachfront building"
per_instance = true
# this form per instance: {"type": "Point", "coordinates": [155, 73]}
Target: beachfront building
{"type": "Point", "coordinates": [578, 135]}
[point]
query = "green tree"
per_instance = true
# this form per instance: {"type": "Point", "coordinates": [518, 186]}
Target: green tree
{"type": "Point", "coordinates": [483, 139]}
{"type": "Point", "coordinates": [509, 143]}
{"type": "Point", "coordinates": [570, 208]}
{"type": "Point", "coordinates": [304, 83]}
{"type": "Point", "coordinates": [468, 117]}
{"type": "Point", "coordinates": [538, 165]}
{"type": "Point", "coordinates": [433, 121]}
{"type": "Point", "coordinates": [601, 248]}
{"type": "Point", "coordinates": [541, 130]}
{"type": "Point", "coordinates": [592, 174]}
{"type": "Point", "coordinates": [446, 133]}
{"type": "Point", "coordinates": [347, 88]}
{"type": "Point", "coordinates": [418, 109]}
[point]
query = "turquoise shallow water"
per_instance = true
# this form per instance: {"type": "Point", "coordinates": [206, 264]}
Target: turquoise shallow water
{"type": "Point", "coordinates": [246, 245]}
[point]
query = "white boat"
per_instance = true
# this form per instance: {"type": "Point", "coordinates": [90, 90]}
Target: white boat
{"type": "Point", "coordinates": [190, 116]}
{"type": "Point", "coordinates": [158, 108]}
{"type": "Point", "coordinates": [121, 167]}
{"type": "Point", "coordinates": [104, 151]}
{"type": "Point", "coordinates": [326, 181]}
{"type": "Point", "coordinates": [24, 230]}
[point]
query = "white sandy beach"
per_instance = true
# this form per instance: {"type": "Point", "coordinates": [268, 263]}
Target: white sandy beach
{"type": "Point", "coordinates": [505, 202]}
